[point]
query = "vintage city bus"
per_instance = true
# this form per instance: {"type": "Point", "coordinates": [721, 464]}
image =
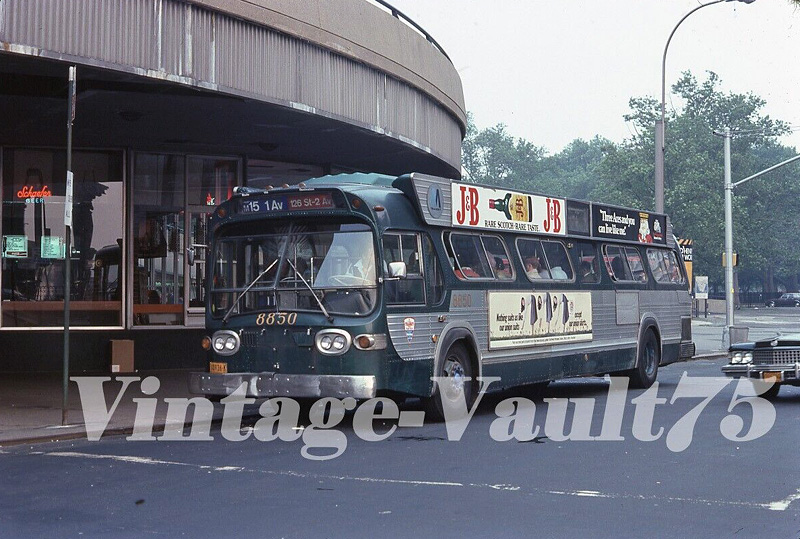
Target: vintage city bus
{"type": "Point", "coordinates": [365, 285]}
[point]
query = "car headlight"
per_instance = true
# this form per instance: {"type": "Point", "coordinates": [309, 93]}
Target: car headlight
{"type": "Point", "coordinates": [736, 357]}
{"type": "Point", "coordinates": [225, 342]}
{"type": "Point", "coordinates": [747, 357]}
{"type": "Point", "coordinates": [333, 342]}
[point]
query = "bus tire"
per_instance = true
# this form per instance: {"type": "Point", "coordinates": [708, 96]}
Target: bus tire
{"type": "Point", "coordinates": [456, 364]}
{"type": "Point", "coordinates": [644, 374]}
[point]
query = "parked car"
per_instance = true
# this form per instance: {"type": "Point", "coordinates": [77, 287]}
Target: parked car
{"type": "Point", "coordinates": [776, 359]}
{"type": "Point", "coordinates": [791, 299]}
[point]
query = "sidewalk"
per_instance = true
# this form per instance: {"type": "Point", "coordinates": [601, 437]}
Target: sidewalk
{"type": "Point", "coordinates": [30, 405]}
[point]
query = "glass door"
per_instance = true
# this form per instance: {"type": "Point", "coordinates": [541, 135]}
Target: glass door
{"type": "Point", "coordinates": [210, 181]}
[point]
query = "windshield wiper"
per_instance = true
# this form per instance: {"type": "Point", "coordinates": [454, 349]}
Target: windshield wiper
{"type": "Point", "coordinates": [243, 292]}
{"type": "Point", "coordinates": [319, 302]}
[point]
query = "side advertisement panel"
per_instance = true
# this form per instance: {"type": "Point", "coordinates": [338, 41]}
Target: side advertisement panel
{"type": "Point", "coordinates": [537, 318]}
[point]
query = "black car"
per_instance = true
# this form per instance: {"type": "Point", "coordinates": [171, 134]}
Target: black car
{"type": "Point", "coordinates": [776, 359]}
{"type": "Point", "coordinates": [791, 299]}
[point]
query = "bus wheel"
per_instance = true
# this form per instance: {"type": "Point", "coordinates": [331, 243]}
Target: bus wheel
{"type": "Point", "coordinates": [644, 374]}
{"type": "Point", "coordinates": [459, 386]}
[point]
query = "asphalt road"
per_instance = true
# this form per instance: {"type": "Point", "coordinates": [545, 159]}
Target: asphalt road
{"type": "Point", "coordinates": [416, 483]}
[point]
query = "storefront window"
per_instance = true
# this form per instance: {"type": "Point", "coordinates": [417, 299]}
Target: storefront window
{"type": "Point", "coordinates": [33, 255]}
{"type": "Point", "coordinates": [158, 238]}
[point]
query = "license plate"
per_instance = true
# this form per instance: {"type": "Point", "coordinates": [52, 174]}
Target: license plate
{"type": "Point", "coordinates": [215, 367]}
{"type": "Point", "coordinates": [772, 377]}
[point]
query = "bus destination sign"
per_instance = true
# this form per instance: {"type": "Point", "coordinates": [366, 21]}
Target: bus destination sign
{"type": "Point", "coordinates": [287, 202]}
{"type": "Point", "coordinates": [629, 225]}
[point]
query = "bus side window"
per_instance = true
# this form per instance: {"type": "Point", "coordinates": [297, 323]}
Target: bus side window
{"type": "Point", "coordinates": [470, 257]}
{"type": "Point", "coordinates": [674, 268]}
{"type": "Point", "coordinates": [588, 270]}
{"type": "Point", "coordinates": [664, 266]}
{"type": "Point", "coordinates": [557, 260]}
{"type": "Point", "coordinates": [616, 263]}
{"type": "Point", "coordinates": [532, 257]}
{"type": "Point", "coordinates": [498, 257]}
{"type": "Point", "coordinates": [636, 265]}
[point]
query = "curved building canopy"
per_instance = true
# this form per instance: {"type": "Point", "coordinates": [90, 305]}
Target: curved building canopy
{"type": "Point", "coordinates": [338, 84]}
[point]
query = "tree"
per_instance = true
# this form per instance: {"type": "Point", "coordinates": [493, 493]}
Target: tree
{"type": "Point", "coordinates": [494, 157]}
{"type": "Point", "coordinates": [766, 220]}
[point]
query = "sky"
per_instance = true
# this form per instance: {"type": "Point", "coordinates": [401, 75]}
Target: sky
{"type": "Point", "coordinates": [553, 71]}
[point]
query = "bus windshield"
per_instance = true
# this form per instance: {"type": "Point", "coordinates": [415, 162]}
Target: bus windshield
{"type": "Point", "coordinates": [295, 267]}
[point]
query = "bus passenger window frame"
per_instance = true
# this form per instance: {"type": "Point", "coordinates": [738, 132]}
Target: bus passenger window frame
{"type": "Point", "coordinates": [493, 258]}
{"type": "Point", "coordinates": [538, 253]}
{"type": "Point", "coordinates": [545, 270]}
{"type": "Point", "coordinates": [459, 271]}
{"type": "Point", "coordinates": [608, 259]}
{"type": "Point", "coordinates": [639, 276]}
{"type": "Point", "coordinates": [565, 257]}
{"type": "Point", "coordinates": [578, 249]}
{"type": "Point", "coordinates": [665, 267]}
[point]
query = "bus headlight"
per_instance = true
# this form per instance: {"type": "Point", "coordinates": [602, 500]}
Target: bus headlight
{"type": "Point", "coordinates": [326, 342]}
{"type": "Point", "coordinates": [225, 342]}
{"type": "Point", "coordinates": [333, 342]}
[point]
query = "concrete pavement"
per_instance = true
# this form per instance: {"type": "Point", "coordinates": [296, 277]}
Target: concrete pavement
{"type": "Point", "coordinates": [30, 404]}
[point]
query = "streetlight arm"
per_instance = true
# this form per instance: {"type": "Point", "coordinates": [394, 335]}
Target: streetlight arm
{"type": "Point", "coordinates": [664, 58]}
{"type": "Point", "coordinates": [661, 128]}
{"type": "Point", "coordinates": [770, 169]}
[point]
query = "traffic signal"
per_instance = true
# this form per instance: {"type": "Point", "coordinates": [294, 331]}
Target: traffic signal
{"type": "Point", "coordinates": [735, 260]}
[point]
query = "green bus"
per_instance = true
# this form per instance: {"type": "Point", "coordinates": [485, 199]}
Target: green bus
{"type": "Point", "coordinates": [365, 285]}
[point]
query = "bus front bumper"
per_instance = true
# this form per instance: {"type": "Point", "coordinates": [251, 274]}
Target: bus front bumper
{"type": "Point", "coordinates": [269, 384]}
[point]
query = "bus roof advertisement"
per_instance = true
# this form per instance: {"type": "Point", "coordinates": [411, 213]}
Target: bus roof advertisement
{"type": "Point", "coordinates": [499, 209]}
{"type": "Point", "coordinates": [629, 225]}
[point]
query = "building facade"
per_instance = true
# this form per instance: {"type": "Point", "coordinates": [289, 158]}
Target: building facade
{"type": "Point", "coordinates": [177, 103]}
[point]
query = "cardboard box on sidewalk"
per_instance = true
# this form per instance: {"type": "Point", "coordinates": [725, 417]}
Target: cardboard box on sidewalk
{"type": "Point", "coordinates": [121, 355]}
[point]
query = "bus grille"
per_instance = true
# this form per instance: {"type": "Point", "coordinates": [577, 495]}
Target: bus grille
{"type": "Point", "coordinates": [776, 357]}
{"type": "Point", "coordinates": [250, 338]}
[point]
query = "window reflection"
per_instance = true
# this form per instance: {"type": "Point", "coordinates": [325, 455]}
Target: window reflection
{"type": "Point", "coordinates": [158, 236]}
{"type": "Point", "coordinates": [33, 257]}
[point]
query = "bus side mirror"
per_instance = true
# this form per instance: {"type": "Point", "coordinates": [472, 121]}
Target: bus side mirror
{"type": "Point", "coordinates": [190, 254]}
{"type": "Point", "coordinates": [397, 270]}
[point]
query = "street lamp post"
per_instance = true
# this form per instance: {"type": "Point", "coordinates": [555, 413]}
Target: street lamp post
{"type": "Point", "coordinates": [660, 129]}
{"type": "Point", "coordinates": [729, 187]}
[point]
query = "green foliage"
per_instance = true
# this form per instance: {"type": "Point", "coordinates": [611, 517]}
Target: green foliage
{"type": "Point", "coordinates": [766, 220]}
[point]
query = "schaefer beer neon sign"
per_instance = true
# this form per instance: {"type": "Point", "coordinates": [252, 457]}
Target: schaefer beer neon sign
{"type": "Point", "coordinates": [32, 196]}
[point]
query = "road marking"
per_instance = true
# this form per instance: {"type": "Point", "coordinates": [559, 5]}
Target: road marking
{"type": "Point", "coordinates": [142, 460]}
{"type": "Point", "coordinates": [784, 504]}
{"type": "Point", "coordinates": [780, 505]}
